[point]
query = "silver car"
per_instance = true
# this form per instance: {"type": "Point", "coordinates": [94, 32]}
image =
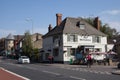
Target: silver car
{"type": "Point", "coordinates": [24, 59]}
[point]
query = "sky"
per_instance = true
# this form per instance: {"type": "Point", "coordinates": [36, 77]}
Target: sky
{"type": "Point", "coordinates": [19, 16]}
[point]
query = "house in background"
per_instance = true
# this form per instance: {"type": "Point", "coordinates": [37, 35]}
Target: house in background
{"type": "Point", "coordinates": [9, 44]}
{"type": "Point", "coordinates": [18, 44]}
{"type": "Point", "coordinates": [2, 45]}
{"type": "Point", "coordinates": [36, 42]}
{"type": "Point", "coordinates": [13, 43]}
{"type": "Point", "coordinates": [70, 36]}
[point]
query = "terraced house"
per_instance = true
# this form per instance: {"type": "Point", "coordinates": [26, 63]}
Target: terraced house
{"type": "Point", "coordinates": [71, 35]}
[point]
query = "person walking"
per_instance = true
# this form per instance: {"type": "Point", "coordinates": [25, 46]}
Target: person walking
{"type": "Point", "coordinates": [108, 59]}
{"type": "Point", "coordinates": [51, 59]}
{"type": "Point", "coordinates": [89, 60]}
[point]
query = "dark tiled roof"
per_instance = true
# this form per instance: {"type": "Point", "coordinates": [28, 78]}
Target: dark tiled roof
{"type": "Point", "coordinates": [10, 37]}
{"type": "Point", "coordinates": [56, 29]}
{"type": "Point", "coordinates": [18, 36]}
{"type": "Point", "coordinates": [37, 34]}
{"type": "Point", "coordinates": [69, 25]}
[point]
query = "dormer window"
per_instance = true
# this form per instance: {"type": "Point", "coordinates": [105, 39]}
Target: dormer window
{"type": "Point", "coordinates": [81, 25]}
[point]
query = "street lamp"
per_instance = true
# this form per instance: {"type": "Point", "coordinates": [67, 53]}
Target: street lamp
{"type": "Point", "coordinates": [30, 20]}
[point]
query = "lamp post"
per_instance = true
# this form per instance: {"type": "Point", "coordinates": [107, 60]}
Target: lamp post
{"type": "Point", "coordinates": [30, 20]}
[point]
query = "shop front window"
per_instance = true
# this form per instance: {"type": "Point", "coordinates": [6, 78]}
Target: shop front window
{"type": "Point", "coordinates": [71, 51]}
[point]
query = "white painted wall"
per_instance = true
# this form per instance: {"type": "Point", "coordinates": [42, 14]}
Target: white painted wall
{"type": "Point", "coordinates": [110, 47]}
{"type": "Point", "coordinates": [83, 41]}
{"type": "Point", "coordinates": [103, 40]}
{"type": "Point", "coordinates": [63, 55]}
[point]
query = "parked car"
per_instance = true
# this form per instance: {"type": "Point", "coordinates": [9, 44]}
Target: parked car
{"type": "Point", "coordinates": [118, 65]}
{"type": "Point", "coordinates": [23, 59]}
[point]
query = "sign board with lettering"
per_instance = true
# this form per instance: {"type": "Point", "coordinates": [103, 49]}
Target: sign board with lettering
{"type": "Point", "coordinates": [85, 39]}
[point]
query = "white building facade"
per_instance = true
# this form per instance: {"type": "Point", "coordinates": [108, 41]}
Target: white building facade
{"type": "Point", "coordinates": [63, 41]}
{"type": "Point", "coordinates": [88, 42]}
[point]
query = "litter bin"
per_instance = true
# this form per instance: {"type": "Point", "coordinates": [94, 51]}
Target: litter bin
{"type": "Point", "coordinates": [71, 61]}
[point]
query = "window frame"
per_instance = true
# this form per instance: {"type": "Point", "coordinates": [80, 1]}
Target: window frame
{"type": "Point", "coordinates": [56, 52]}
{"type": "Point", "coordinates": [72, 38]}
{"type": "Point", "coordinates": [96, 39]}
{"type": "Point", "coordinates": [71, 52]}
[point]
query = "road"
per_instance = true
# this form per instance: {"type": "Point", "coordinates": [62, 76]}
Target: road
{"type": "Point", "coordinates": [59, 71]}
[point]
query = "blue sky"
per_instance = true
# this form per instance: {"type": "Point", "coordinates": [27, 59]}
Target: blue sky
{"type": "Point", "coordinates": [13, 13]}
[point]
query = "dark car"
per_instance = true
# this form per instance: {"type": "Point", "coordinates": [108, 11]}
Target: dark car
{"type": "Point", "coordinates": [118, 65]}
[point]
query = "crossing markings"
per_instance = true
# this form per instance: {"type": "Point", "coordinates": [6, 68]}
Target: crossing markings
{"type": "Point", "coordinates": [49, 72]}
{"type": "Point", "coordinates": [77, 78]}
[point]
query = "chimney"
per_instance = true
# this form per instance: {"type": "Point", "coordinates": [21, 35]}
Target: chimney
{"type": "Point", "coordinates": [49, 28]}
{"type": "Point", "coordinates": [58, 19]}
{"type": "Point", "coordinates": [18, 37]}
{"type": "Point", "coordinates": [97, 23]}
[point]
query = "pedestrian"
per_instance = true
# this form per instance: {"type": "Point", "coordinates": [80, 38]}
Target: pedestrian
{"type": "Point", "coordinates": [51, 59]}
{"type": "Point", "coordinates": [108, 59]}
{"type": "Point", "coordinates": [89, 60]}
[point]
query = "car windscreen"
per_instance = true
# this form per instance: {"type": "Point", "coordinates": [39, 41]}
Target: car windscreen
{"type": "Point", "coordinates": [24, 57]}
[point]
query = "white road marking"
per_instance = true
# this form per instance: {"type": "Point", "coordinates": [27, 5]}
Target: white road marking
{"type": "Point", "coordinates": [51, 72]}
{"type": "Point", "coordinates": [19, 65]}
{"type": "Point", "coordinates": [67, 68]}
{"type": "Point", "coordinates": [101, 72]}
{"type": "Point", "coordinates": [77, 78]}
{"type": "Point", "coordinates": [30, 67]}
{"type": "Point", "coordinates": [96, 72]}
{"type": "Point", "coordinates": [77, 69]}
{"type": "Point", "coordinates": [15, 74]}
{"type": "Point", "coordinates": [92, 71]}
{"type": "Point", "coordinates": [108, 73]}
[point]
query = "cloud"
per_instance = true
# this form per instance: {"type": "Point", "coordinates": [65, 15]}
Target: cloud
{"type": "Point", "coordinates": [111, 12]}
{"type": "Point", "coordinates": [4, 33]}
{"type": "Point", "coordinates": [115, 24]}
{"type": "Point", "coordinates": [111, 17]}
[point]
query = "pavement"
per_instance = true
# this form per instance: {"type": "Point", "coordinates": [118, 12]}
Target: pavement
{"type": "Point", "coordinates": [8, 75]}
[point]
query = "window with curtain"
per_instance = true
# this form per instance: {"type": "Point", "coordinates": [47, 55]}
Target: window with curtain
{"type": "Point", "coordinates": [72, 38]}
{"type": "Point", "coordinates": [96, 39]}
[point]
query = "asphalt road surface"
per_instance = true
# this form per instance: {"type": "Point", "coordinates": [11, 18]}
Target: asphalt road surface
{"type": "Point", "coordinates": [59, 71]}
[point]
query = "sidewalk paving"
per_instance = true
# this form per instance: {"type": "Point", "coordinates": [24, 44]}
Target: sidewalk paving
{"type": "Point", "coordinates": [7, 75]}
